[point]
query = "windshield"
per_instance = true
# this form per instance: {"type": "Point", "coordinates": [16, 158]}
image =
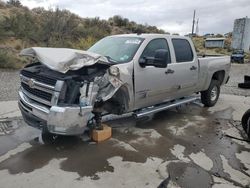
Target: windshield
{"type": "Point", "coordinates": [117, 49]}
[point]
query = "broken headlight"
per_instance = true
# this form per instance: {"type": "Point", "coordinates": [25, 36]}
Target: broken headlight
{"type": "Point", "coordinates": [114, 71]}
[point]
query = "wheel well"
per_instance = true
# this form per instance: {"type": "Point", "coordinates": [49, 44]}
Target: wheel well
{"type": "Point", "coordinates": [118, 104]}
{"type": "Point", "coordinates": [219, 76]}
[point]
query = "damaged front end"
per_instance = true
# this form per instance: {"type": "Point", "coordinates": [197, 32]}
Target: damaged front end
{"type": "Point", "coordinates": [65, 96]}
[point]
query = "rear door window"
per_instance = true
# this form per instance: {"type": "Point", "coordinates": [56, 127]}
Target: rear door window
{"type": "Point", "coordinates": [183, 50]}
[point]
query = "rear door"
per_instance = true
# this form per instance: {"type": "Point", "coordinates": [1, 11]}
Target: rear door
{"type": "Point", "coordinates": [185, 68]}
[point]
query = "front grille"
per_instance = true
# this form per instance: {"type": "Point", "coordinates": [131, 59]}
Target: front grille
{"type": "Point", "coordinates": [36, 92]}
{"type": "Point", "coordinates": [39, 78]}
{"type": "Point", "coordinates": [26, 106]}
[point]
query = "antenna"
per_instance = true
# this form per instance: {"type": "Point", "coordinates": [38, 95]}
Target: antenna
{"type": "Point", "coordinates": [197, 27]}
{"type": "Point", "coordinates": [193, 23]}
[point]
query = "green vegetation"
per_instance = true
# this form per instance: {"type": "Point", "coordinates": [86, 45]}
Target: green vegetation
{"type": "Point", "coordinates": [21, 27]}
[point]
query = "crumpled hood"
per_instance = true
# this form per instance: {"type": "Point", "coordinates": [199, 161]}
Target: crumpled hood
{"type": "Point", "coordinates": [64, 59]}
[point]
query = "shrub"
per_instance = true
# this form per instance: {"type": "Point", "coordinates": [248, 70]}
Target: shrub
{"type": "Point", "coordinates": [84, 44]}
{"type": "Point", "coordinates": [219, 50]}
{"type": "Point", "coordinates": [18, 47]}
{"type": "Point", "coordinates": [247, 58]}
{"type": "Point", "coordinates": [10, 60]}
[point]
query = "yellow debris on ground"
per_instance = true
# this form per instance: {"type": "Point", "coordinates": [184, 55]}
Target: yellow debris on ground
{"type": "Point", "coordinates": [101, 135]}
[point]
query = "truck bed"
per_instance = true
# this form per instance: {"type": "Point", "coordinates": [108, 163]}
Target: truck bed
{"type": "Point", "coordinates": [208, 66]}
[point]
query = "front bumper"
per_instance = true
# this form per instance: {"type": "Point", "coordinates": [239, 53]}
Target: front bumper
{"type": "Point", "coordinates": [59, 120]}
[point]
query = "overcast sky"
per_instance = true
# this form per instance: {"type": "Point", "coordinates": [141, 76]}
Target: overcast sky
{"type": "Point", "coordinates": [174, 16]}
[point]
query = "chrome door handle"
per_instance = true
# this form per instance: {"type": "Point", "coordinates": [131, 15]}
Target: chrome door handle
{"type": "Point", "coordinates": [169, 71]}
{"type": "Point", "coordinates": [193, 68]}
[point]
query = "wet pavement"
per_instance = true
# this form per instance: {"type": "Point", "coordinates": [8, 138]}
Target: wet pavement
{"type": "Point", "coordinates": [188, 147]}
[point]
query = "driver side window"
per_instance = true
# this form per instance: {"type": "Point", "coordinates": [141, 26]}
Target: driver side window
{"type": "Point", "coordinates": [154, 45]}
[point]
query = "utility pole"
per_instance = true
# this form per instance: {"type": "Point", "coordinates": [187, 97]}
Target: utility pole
{"type": "Point", "coordinates": [197, 27]}
{"type": "Point", "coordinates": [193, 23]}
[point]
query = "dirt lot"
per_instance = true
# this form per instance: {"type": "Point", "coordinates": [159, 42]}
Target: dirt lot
{"type": "Point", "coordinates": [188, 147]}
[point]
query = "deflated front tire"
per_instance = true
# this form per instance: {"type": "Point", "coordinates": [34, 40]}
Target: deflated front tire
{"type": "Point", "coordinates": [47, 137]}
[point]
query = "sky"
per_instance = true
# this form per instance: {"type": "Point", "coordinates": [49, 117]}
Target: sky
{"type": "Point", "coordinates": [174, 16]}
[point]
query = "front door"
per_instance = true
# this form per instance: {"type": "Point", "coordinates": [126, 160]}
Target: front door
{"type": "Point", "coordinates": [151, 83]}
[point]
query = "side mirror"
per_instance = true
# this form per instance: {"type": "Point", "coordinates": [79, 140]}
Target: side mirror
{"type": "Point", "coordinates": [160, 59]}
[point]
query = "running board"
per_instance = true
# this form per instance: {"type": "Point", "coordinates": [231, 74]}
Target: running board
{"type": "Point", "coordinates": [165, 106]}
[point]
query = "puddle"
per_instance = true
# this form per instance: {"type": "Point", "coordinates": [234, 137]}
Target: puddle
{"type": "Point", "coordinates": [188, 174]}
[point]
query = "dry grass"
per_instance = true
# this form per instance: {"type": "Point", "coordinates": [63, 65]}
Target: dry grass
{"type": "Point", "coordinates": [9, 53]}
{"type": "Point", "coordinates": [11, 60]}
{"type": "Point", "coordinates": [201, 50]}
{"type": "Point", "coordinates": [247, 58]}
{"type": "Point", "coordinates": [12, 42]}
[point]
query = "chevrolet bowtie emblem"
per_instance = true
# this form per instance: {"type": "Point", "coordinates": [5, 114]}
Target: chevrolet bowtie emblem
{"type": "Point", "coordinates": [31, 83]}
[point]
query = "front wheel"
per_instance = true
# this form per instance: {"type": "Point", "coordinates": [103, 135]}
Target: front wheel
{"type": "Point", "coordinates": [211, 95]}
{"type": "Point", "coordinates": [245, 121]}
{"type": "Point", "coordinates": [47, 137]}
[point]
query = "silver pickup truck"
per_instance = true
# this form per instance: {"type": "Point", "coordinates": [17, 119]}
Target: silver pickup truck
{"type": "Point", "coordinates": [65, 91]}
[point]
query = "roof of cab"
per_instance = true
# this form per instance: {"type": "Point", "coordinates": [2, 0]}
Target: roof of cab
{"type": "Point", "coordinates": [148, 35]}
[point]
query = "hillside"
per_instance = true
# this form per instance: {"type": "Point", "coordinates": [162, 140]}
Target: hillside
{"type": "Point", "coordinates": [21, 27]}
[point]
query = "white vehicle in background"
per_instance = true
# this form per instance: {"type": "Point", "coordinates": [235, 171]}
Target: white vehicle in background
{"type": "Point", "coordinates": [65, 90]}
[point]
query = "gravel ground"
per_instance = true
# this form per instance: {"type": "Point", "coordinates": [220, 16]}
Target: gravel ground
{"type": "Point", "coordinates": [9, 82]}
{"type": "Point", "coordinates": [237, 76]}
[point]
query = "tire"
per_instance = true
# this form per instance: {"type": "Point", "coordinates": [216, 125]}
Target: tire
{"type": "Point", "coordinates": [244, 85]}
{"type": "Point", "coordinates": [211, 95]}
{"type": "Point", "coordinates": [245, 121]}
{"type": "Point", "coordinates": [246, 79]}
{"type": "Point", "coordinates": [47, 137]}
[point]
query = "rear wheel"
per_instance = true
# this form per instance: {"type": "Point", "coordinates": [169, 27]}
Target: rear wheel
{"type": "Point", "coordinates": [211, 95]}
{"type": "Point", "coordinates": [245, 121]}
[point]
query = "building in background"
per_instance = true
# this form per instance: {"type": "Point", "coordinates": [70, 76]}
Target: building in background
{"type": "Point", "coordinates": [241, 34]}
{"type": "Point", "coordinates": [214, 42]}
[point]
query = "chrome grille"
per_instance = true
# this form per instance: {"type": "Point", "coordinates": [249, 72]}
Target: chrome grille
{"type": "Point", "coordinates": [38, 93]}
{"type": "Point", "coordinates": [40, 89]}
{"type": "Point", "coordinates": [38, 77]}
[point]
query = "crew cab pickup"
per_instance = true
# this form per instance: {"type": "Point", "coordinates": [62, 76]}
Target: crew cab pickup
{"type": "Point", "coordinates": [64, 91]}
